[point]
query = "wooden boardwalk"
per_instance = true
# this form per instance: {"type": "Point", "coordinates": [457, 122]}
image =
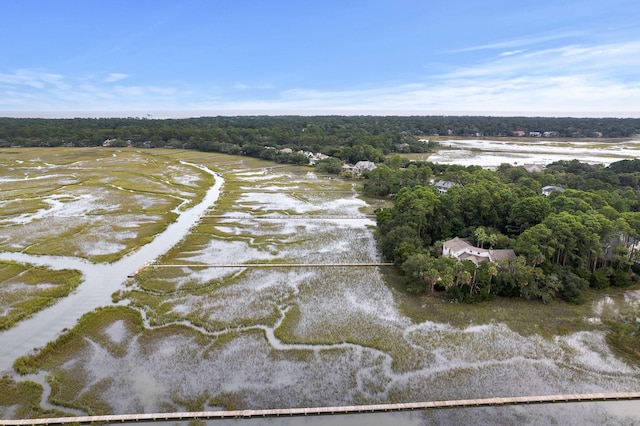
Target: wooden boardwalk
{"type": "Point", "coordinates": [268, 265]}
{"type": "Point", "coordinates": [291, 217]}
{"type": "Point", "coordinates": [353, 409]}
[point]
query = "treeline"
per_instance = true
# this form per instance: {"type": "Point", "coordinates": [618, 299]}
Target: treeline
{"type": "Point", "coordinates": [584, 236]}
{"type": "Point", "coordinates": [350, 138]}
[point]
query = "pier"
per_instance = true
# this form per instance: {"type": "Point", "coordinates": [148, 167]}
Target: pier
{"type": "Point", "coordinates": [315, 411]}
{"type": "Point", "coordinates": [292, 217]}
{"type": "Point", "coordinates": [268, 265]}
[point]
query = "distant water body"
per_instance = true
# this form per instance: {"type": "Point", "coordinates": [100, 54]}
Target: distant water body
{"type": "Point", "coordinates": [490, 154]}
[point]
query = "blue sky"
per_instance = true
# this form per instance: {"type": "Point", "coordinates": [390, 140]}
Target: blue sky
{"type": "Point", "coordinates": [359, 57]}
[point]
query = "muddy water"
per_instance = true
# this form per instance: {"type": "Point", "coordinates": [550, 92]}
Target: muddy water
{"type": "Point", "coordinates": [321, 336]}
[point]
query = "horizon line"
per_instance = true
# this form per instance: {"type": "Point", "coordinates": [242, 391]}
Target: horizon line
{"type": "Point", "coordinates": [200, 113]}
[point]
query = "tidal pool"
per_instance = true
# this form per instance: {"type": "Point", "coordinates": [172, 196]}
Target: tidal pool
{"type": "Point", "coordinates": [195, 335]}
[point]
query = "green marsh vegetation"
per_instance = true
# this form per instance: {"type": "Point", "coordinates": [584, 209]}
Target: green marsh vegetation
{"type": "Point", "coordinates": [27, 289]}
{"type": "Point", "coordinates": [74, 387]}
{"type": "Point", "coordinates": [21, 400]}
{"type": "Point", "coordinates": [196, 314]}
{"type": "Point", "coordinates": [96, 203]}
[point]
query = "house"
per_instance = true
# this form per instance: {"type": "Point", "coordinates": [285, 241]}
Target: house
{"type": "Point", "coordinates": [546, 190]}
{"type": "Point", "coordinates": [518, 133]}
{"type": "Point", "coordinates": [363, 166]}
{"type": "Point", "coordinates": [533, 168]}
{"type": "Point", "coordinates": [462, 250]}
{"type": "Point", "coordinates": [443, 185]}
{"type": "Point", "coordinates": [314, 158]}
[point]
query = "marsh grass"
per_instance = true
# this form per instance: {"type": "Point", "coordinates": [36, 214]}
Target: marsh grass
{"type": "Point", "coordinates": [91, 325]}
{"type": "Point", "coordinates": [27, 289]}
{"type": "Point", "coordinates": [219, 323]}
{"type": "Point", "coordinates": [113, 201]}
{"type": "Point", "coordinates": [19, 206]}
{"type": "Point", "coordinates": [25, 397]}
{"type": "Point", "coordinates": [69, 383]}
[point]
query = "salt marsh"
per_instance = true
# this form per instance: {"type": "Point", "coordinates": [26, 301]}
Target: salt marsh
{"type": "Point", "coordinates": [197, 337]}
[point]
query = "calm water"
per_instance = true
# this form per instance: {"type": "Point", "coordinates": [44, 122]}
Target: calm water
{"type": "Point", "coordinates": [490, 154]}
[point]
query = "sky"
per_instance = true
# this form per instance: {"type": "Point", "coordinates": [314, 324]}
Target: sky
{"type": "Point", "coordinates": [191, 58]}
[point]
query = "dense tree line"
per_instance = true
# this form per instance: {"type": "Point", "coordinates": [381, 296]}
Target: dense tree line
{"type": "Point", "coordinates": [566, 242]}
{"type": "Point", "coordinates": [349, 138]}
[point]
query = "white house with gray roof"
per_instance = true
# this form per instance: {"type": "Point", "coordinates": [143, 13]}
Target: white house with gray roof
{"type": "Point", "coordinates": [462, 250]}
{"type": "Point", "coordinates": [443, 185]}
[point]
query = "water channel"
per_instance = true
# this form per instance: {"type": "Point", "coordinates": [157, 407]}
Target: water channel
{"type": "Point", "coordinates": [347, 338]}
{"type": "Point", "coordinates": [100, 282]}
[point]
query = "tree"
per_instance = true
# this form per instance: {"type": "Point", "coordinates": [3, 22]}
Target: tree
{"type": "Point", "coordinates": [415, 207]}
{"type": "Point", "coordinates": [481, 236]}
{"type": "Point", "coordinates": [528, 212]}
{"type": "Point", "coordinates": [537, 244]}
{"type": "Point", "coordinates": [380, 181]}
{"type": "Point", "coordinates": [422, 271]}
{"type": "Point", "coordinates": [330, 165]}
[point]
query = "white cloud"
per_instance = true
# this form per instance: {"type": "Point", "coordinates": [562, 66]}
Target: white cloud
{"type": "Point", "coordinates": [511, 52]}
{"type": "Point", "coordinates": [571, 80]}
{"type": "Point", "coordinates": [33, 79]}
{"type": "Point", "coordinates": [244, 86]}
{"type": "Point", "coordinates": [516, 43]}
{"type": "Point", "coordinates": [594, 80]}
{"type": "Point", "coordinates": [115, 77]}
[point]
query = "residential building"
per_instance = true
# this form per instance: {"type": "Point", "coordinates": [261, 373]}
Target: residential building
{"type": "Point", "coordinates": [462, 250]}
{"type": "Point", "coordinates": [546, 190]}
{"type": "Point", "coordinates": [533, 168]}
{"type": "Point", "coordinates": [443, 185]}
{"type": "Point", "coordinates": [364, 166]}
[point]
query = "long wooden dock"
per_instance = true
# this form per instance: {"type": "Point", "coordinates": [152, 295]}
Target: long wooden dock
{"type": "Point", "coordinates": [291, 217]}
{"type": "Point", "coordinates": [267, 265]}
{"type": "Point", "coordinates": [313, 411]}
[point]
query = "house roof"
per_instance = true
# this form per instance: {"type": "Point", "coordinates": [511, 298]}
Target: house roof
{"type": "Point", "coordinates": [456, 244]}
{"type": "Point", "coordinates": [445, 184]}
{"type": "Point", "coordinates": [365, 165]}
{"type": "Point", "coordinates": [472, 257]}
{"type": "Point", "coordinates": [550, 188]}
{"type": "Point", "coordinates": [502, 254]}
{"type": "Point", "coordinates": [533, 167]}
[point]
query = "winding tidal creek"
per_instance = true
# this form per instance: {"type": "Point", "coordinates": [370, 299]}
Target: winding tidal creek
{"type": "Point", "coordinates": [197, 331]}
